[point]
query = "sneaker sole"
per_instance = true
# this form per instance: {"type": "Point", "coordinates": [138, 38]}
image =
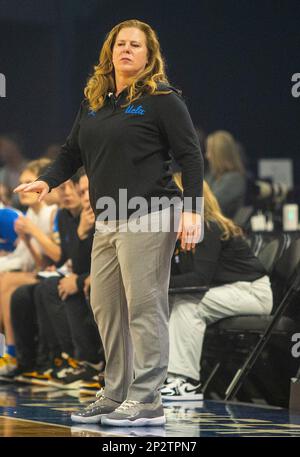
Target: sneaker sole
{"type": "Point", "coordinates": [87, 392]}
{"type": "Point", "coordinates": [141, 422]}
{"type": "Point", "coordinates": [6, 373]}
{"type": "Point", "coordinates": [187, 397]}
{"type": "Point", "coordinates": [73, 386]}
{"type": "Point", "coordinates": [35, 382]}
{"type": "Point", "coordinates": [87, 420]}
{"type": "Point", "coordinates": [4, 379]}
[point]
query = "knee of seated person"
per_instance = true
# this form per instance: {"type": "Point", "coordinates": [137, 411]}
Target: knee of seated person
{"type": "Point", "coordinates": [3, 276]}
{"type": "Point", "coordinates": [17, 300]}
{"type": "Point", "coordinates": [18, 294]}
{"type": "Point", "coordinates": [184, 306]}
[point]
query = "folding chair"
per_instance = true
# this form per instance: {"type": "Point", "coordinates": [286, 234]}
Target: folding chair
{"type": "Point", "coordinates": [289, 272]}
{"type": "Point", "coordinates": [245, 328]}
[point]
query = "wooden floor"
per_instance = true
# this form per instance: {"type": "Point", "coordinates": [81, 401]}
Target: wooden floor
{"type": "Point", "coordinates": [13, 427]}
{"type": "Point", "coordinates": [28, 411]}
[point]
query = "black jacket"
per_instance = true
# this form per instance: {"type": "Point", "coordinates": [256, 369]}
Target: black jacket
{"type": "Point", "coordinates": [79, 251]}
{"type": "Point", "coordinates": [128, 148]}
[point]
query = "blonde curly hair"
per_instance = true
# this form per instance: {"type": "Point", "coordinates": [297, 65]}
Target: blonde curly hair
{"type": "Point", "coordinates": [102, 80]}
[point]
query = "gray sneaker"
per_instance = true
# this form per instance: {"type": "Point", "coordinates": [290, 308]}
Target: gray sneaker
{"type": "Point", "coordinates": [93, 413]}
{"type": "Point", "coordinates": [135, 414]}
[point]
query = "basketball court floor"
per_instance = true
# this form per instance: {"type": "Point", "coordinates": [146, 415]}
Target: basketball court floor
{"type": "Point", "coordinates": [33, 411]}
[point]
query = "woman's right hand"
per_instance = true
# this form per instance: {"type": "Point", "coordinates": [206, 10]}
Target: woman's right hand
{"type": "Point", "coordinates": [40, 187]}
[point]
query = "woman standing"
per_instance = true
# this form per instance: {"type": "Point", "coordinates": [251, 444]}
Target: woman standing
{"type": "Point", "coordinates": [125, 127]}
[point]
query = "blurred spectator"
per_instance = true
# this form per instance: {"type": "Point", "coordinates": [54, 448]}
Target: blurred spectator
{"type": "Point", "coordinates": [61, 304]}
{"type": "Point", "coordinates": [226, 175]}
{"type": "Point", "coordinates": [8, 217]}
{"type": "Point", "coordinates": [38, 220]}
{"type": "Point", "coordinates": [53, 198]}
{"type": "Point", "coordinates": [5, 196]}
{"type": "Point", "coordinates": [13, 162]}
{"type": "Point", "coordinates": [34, 246]}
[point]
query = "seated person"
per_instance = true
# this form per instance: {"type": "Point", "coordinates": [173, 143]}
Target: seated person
{"type": "Point", "coordinates": [60, 303]}
{"type": "Point", "coordinates": [226, 174]}
{"type": "Point", "coordinates": [238, 285]}
{"type": "Point", "coordinates": [32, 228]}
{"type": "Point", "coordinates": [34, 246]}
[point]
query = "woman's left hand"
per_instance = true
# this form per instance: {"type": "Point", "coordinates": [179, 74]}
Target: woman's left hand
{"type": "Point", "coordinates": [189, 230]}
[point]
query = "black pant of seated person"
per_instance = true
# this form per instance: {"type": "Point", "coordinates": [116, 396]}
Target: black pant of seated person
{"type": "Point", "coordinates": [47, 332]}
{"type": "Point", "coordinates": [75, 314]}
{"type": "Point", "coordinates": [36, 346]}
{"type": "Point", "coordinates": [51, 312]}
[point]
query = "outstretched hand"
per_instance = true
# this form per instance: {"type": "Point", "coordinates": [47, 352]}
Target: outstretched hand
{"type": "Point", "coordinates": [40, 187]}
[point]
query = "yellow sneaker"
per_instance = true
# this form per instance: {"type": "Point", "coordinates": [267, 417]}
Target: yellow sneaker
{"type": "Point", "coordinates": [35, 377]}
{"type": "Point", "coordinates": [7, 364]}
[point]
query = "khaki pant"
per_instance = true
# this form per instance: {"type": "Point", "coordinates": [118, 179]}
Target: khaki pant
{"type": "Point", "coordinates": [190, 317]}
{"type": "Point", "coordinates": [129, 297]}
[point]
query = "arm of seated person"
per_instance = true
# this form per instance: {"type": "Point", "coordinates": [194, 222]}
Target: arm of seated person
{"type": "Point", "coordinates": [25, 227]}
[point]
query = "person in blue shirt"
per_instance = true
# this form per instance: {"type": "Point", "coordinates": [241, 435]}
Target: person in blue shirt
{"type": "Point", "coordinates": [8, 235]}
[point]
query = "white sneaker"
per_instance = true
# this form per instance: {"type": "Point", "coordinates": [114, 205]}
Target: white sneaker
{"type": "Point", "coordinates": [180, 389]}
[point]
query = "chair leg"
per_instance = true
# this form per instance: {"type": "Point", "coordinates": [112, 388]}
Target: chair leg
{"type": "Point", "coordinates": [242, 373]}
{"type": "Point", "coordinates": [211, 376]}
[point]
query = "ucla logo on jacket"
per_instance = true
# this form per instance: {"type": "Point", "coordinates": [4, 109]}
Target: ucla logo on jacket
{"type": "Point", "coordinates": [131, 109]}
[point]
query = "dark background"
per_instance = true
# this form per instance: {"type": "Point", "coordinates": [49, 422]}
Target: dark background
{"type": "Point", "coordinates": [233, 59]}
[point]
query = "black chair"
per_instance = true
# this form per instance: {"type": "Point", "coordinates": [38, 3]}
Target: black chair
{"type": "Point", "coordinates": [242, 373]}
{"type": "Point", "coordinates": [268, 255]}
{"type": "Point", "coordinates": [286, 285]}
{"type": "Point", "coordinates": [243, 215]}
{"type": "Point", "coordinates": [187, 290]}
{"type": "Point", "coordinates": [255, 242]}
